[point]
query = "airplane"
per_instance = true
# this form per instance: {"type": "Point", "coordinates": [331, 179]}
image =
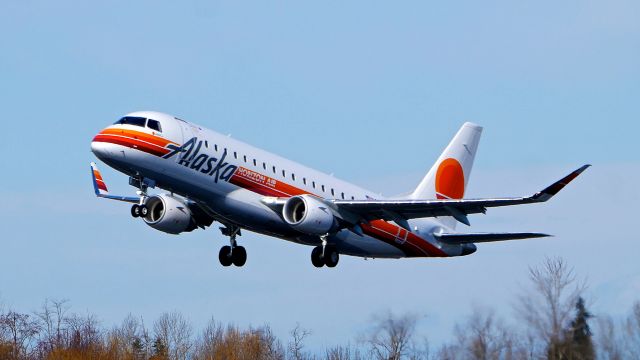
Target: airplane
{"type": "Point", "coordinates": [211, 177]}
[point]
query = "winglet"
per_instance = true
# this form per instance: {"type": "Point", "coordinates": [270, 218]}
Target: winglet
{"type": "Point", "coordinates": [554, 188]}
{"type": "Point", "coordinates": [98, 183]}
{"type": "Point", "coordinates": [101, 188]}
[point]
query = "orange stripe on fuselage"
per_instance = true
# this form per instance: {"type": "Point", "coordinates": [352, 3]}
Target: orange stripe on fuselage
{"type": "Point", "coordinates": [132, 143]}
{"type": "Point", "coordinates": [150, 138]}
{"type": "Point", "coordinates": [379, 229]}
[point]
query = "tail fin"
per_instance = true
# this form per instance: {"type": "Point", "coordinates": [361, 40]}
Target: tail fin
{"type": "Point", "coordinates": [449, 176]}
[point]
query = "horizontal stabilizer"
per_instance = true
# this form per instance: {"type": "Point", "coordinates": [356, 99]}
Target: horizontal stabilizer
{"type": "Point", "coordinates": [468, 238]}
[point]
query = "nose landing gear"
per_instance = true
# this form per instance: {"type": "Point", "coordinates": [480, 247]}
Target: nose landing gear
{"type": "Point", "coordinates": [139, 210]}
{"type": "Point", "coordinates": [234, 254]}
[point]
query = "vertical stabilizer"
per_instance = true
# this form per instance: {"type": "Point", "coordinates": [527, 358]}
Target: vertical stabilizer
{"type": "Point", "coordinates": [449, 176]}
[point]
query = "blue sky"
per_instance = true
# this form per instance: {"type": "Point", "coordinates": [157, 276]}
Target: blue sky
{"type": "Point", "coordinates": [371, 91]}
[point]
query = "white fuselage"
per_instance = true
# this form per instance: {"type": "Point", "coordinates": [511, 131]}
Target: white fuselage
{"type": "Point", "coordinates": [231, 180]}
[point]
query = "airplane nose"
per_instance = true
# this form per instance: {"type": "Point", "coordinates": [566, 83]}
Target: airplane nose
{"type": "Point", "coordinates": [99, 148]}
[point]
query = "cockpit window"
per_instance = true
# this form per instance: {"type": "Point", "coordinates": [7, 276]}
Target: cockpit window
{"type": "Point", "coordinates": [132, 120]}
{"type": "Point", "coordinates": [154, 125]}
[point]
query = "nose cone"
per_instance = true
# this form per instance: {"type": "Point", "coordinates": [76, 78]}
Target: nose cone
{"type": "Point", "coordinates": [100, 148]}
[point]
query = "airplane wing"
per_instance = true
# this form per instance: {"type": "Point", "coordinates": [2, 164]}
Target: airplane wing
{"type": "Point", "coordinates": [456, 239]}
{"type": "Point", "coordinates": [101, 188]}
{"type": "Point", "coordinates": [402, 210]}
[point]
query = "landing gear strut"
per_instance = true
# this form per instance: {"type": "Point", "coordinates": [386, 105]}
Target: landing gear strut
{"type": "Point", "coordinates": [140, 209]}
{"type": "Point", "coordinates": [234, 254]}
{"type": "Point", "coordinates": [325, 255]}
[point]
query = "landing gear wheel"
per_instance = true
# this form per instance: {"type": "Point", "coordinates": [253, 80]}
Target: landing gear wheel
{"type": "Point", "coordinates": [135, 210]}
{"type": "Point", "coordinates": [143, 210]}
{"type": "Point", "coordinates": [225, 256]}
{"type": "Point", "coordinates": [331, 256]}
{"type": "Point", "coordinates": [316, 257]}
{"type": "Point", "coordinates": [239, 256]}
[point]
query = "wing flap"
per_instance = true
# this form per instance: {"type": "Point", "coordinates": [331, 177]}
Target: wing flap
{"type": "Point", "coordinates": [456, 239]}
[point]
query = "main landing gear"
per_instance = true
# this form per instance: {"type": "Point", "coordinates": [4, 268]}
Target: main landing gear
{"type": "Point", "coordinates": [234, 254]}
{"type": "Point", "coordinates": [325, 255]}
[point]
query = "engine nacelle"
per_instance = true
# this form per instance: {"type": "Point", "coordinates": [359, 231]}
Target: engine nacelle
{"type": "Point", "coordinates": [169, 214]}
{"type": "Point", "coordinates": [309, 215]}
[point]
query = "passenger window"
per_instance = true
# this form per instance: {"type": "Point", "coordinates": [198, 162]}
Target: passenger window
{"type": "Point", "coordinates": [155, 125]}
{"type": "Point", "coordinates": [332, 192]}
{"type": "Point", "coordinates": [215, 147]}
{"type": "Point", "coordinates": [132, 120]}
{"type": "Point", "coordinates": [235, 155]}
{"type": "Point", "coordinates": [283, 174]}
{"type": "Point", "coordinates": [342, 194]}
{"type": "Point", "coordinates": [304, 181]}
{"type": "Point", "coordinates": [353, 197]}
{"type": "Point", "coordinates": [245, 158]}
{"type": "Point", "coordinates": [264, 165]}
{"type": "Point", "coordinates": [313, 184]}
{"type": "Point", "coordinates": [274, 169]}
{"type": "Point", "coordinates": [206, 143]}
{"type": "Point", "coordinates": [293, 177]}
{"type": "Point", "coordinates": [322, 188]}
{"type": "Point", "coordinates": [255, 163]}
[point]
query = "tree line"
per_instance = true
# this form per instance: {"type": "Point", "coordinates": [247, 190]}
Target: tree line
{"type": "Point", "coordinates": [551, 321]}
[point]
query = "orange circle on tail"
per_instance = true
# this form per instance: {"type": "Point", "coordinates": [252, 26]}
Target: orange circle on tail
{"type": "Point", "coordinates": [450, 180]}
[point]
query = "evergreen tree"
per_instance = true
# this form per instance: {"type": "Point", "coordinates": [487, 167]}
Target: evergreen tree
{"type": "Point", "coordinates": [582, 344]}
{"type": "Point", "coordinates": [160, 351]}
{"type": "Point", "coordinates": [137, 348]}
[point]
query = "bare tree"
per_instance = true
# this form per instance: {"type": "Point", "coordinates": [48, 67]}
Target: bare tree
{"type": "Point", "coordinates": [20, 331]}
{"type": "Point", "coordinates": [608, 342]}
{"type": "Point", "coordinates": [483, 336]}
{"type": "Point", "coordinates": [230, 343]}
{"type": "Point", "coordinates": [343, 353]}
{"type": "Point", "coordinates": [547, 308]}
{"type": "Point", "coordinates": [391, 337]}
{"type": "Point", "coordinates": [296, 345]}
{"type": "Point", "coordinates": [175, 333]}
{"type": "Point", "coordinates": [631, 333]}
{"type": "Point", "coordinates": [52, 316]}
{"type": "Point", "coordinates": [130, 340]}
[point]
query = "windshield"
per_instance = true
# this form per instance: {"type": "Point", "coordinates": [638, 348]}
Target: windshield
{"type": "Point", "coordinates": [154, 124]}
{"type": "Point", "coordinates": [132, 120]}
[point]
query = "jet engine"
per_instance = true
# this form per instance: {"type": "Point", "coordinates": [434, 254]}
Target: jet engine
{"type": "Point", "coordinates": [169, 214]}
{"type": "Point", "coordinates": [309, 215]}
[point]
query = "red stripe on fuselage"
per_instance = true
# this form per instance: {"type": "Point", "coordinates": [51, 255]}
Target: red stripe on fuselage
{"type": "Point", "coordinates": [408, 242]}
{"type": "Point", "coordinates": [132, 143]}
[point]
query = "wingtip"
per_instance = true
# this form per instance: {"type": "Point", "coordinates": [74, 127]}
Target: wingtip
{"type": "Point", "coordinates": [554, 188]}
{"type": "Point", "coordinates": [583, 168]}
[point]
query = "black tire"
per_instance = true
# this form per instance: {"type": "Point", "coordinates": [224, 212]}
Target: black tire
{"type": "Point", "coordinates": [144, 210]}
{"type": "Point", "coordinates": [239, 256]}
{"type": "Point", "coordinates": [135, 210]}
{"type": "Point", "coordinates": [225, 256]}
{"type": "Point", "coordinates": [316, 257]}
{"type": "Point", "coordinates": [331, 256]}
